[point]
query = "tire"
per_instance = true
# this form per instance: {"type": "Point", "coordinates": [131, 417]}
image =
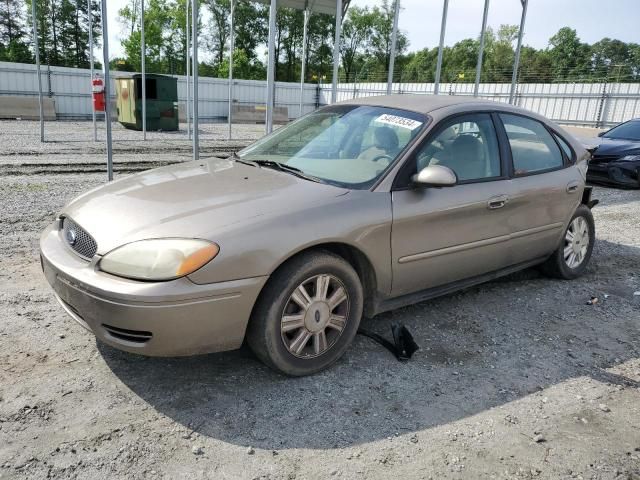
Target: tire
{"type": "Point", "coordinates": [557, 265]}
{"type": "Point", "coordinates": [280, 324]}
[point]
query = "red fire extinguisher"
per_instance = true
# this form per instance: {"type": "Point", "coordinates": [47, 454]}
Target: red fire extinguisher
{"type": "Point", "coordinates": [97, 87]}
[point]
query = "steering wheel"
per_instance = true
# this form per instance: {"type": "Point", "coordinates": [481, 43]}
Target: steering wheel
{"type": "Point", "coordinates": [383, 157]}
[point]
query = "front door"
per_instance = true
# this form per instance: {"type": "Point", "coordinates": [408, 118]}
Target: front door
{"type": "Point", "coordinates": [441, 235]}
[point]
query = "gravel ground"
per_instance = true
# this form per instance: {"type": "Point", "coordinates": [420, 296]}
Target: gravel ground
{"type": "Point", "coordinates": [23, 138]}
{"type": "Point", "coordinates": [517, 378]}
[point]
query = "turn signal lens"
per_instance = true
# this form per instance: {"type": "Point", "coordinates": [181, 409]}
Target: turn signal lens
{"type": "Point", "coordinates": [198, 259]}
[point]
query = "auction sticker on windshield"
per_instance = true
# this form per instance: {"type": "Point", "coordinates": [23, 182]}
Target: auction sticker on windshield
{"type": "Point", "coordinates": [398, 121]}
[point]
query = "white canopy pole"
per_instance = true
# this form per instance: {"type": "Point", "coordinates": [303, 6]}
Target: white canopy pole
{"type": "Point", "coordinates": [336, 52]}
{"type": "Point", "coordinates": [194, 39]}
{"type": "Point", "coordinates": [271, 74]}
{"type": "Point", "coordinates": [36, 47]}
{"type": "Point", "coordinates": [443, 26]}
{"type": "Point", "coordinates": [394, 35]}
{"type": "Point", "coordinates": [107, 88]}
{"type": "Point", "coordinates": [93, 111]}
{"type": "Point", "coordinates": [231, 47]}
{"type": "Point", "coordinates": [305, 28]}
{"type": "Point", "coordinates": [143, 54]}
{"type": "Point", "coordinates": [188, 47]}
{"type": "Point", "coordinates": [516, 62]}
{"type": "Point", "coordinates": [481, 51]}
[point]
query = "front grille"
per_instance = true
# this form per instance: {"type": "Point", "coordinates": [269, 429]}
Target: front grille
{"type": "Point", "coordinates": [78, 239]}
{"type": "Point", "coordinates": [135, 336]}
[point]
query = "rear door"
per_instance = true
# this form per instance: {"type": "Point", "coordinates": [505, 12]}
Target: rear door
{"type": "Point", "coordinates": [441, 235]}
{"type": "Point", "coordinates": [547, 188]}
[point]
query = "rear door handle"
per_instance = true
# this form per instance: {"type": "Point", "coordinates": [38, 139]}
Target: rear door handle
{"type": "Point", "coordinates": [572, 187]}
{"type": "Point", "coordinates": [497, 202]}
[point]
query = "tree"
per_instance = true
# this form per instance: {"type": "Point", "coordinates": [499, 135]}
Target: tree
{"type": "Point", "coordinates": [356, 31]}
{"type": "Point", "coordinates": [569, 57]}
{"type": "Point", "coordinates": [218, 34]}
{"type": "Point", "coordinates": [163, 40]}
{"type": "Point", "coordinates": [14, 43]}
{"type": "Point", "coordinates": [382, 32]}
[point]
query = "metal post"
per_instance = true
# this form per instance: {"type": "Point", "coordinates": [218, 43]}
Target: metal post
{"type": "Point", "coordinates": [516, 61]}
{"type": "Point", "coordinates": [93, 112]}
{"type": "Point", "coordinates": [231, 47]}
{"type": "Point", "coordinates": [107, 89]}
{"type": "Point", "coordinates": [476, 87]}
{"type": "Point", "coordinates": [271, 66]}
{"type": "Point", "coordinates": [194, 40]}
{"type": "Point", "coordinates": [188, 81]}
{"type": "Point", "coordinates": [37, 51]}
{"type": "Point", "coordinates": [443, 26]}
{"type": "Point", "coordinates": [392, 57]}
{"type": "Point", "coordinates": [336, 52]}
{"type": "Point", "coordinates": [305, 28]}
{"type": "Point", "coordinates": [143, 54]}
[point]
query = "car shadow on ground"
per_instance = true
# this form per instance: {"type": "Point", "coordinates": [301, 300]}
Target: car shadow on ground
{"type": "Point", "coordinates": [480, 348]}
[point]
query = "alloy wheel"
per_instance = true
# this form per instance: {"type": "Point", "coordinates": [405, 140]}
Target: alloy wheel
{"type": "Point", "coordinates": [576, 242]}
{"type": "Point", "coordinates": [315, 316]}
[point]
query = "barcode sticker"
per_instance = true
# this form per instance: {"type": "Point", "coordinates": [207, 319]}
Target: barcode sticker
{"type": "Point", "coordinates": [398, 121]}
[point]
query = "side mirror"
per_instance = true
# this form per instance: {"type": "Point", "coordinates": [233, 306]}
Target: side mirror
{"type": "Point", "coordinates": [600, 134]}
{"type": "Point", "coordinates": [435, 176]}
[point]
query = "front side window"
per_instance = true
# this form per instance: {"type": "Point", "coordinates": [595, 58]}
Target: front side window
{"type": "Point", "coordinates": [345, 145]}
{"type": "Point", "coordinates": [467, 145]}
{"type": "Point", "coordinates": [533, 149]}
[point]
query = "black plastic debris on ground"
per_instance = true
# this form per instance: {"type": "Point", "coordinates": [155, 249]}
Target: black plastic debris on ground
{"type": "Point", "coordinates": [403, 345]}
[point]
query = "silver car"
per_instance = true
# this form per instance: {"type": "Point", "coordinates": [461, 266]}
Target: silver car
{"type": "Point", "coordinates": [358, 208]}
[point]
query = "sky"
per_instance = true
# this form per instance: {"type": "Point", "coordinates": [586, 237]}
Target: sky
{"type": "Point", "coordinates": [420, 20]}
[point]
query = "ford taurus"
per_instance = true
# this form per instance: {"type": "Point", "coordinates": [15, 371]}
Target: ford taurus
{"type": "Point", "coordinates": [357, 208]}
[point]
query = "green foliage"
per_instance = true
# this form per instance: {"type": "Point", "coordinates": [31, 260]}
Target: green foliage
{"type": "Point", "coordinates": [14, 37]}
{"type": "Point", "coordinates": [63, 30]}
{"type": "Point", "coordinates": [365, 44]}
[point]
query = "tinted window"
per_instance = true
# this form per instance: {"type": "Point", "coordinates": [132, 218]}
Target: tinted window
{"type": "Point", "coordinates": [532, 147]}
{"type": "Point", "coordinates": [627, 131]}
{"type": "Point", "coordinates": [467, 145]}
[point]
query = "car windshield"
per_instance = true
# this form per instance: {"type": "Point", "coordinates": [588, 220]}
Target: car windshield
{"type": "Point", "coordinates": [345, 145]}
{"type": "Point", "coordinates": [625, 131]}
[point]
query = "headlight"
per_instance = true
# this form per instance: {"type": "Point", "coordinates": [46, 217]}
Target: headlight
{"type": "Point", "coordinates": [159, 259]}
{"type": "Point", "coordinates": [630, 158]}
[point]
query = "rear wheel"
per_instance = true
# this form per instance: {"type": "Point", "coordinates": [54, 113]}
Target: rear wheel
{"type": "Point", "coordinates": [307, 315]}
{"type": "Point", "coordinates": [571, 258]}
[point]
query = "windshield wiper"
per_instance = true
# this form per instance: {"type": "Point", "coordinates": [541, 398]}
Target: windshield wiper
{"type": "Point", "coordinates": [283, 167]}
{"type": "Point", "coordinates": [239, 159]}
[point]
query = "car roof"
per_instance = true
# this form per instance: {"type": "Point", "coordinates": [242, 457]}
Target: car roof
{"type": "Point", "coordinates": [426, 103]}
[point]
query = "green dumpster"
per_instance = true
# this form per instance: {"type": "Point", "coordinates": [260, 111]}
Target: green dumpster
{"type": "Point", "coordinates": [162, 102]}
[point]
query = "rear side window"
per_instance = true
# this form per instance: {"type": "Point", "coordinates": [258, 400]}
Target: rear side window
{"type": "Point", "coordinates": [533, 149]}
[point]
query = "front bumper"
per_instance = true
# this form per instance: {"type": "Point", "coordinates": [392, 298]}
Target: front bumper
{"type": "Point", "coordinates": [624, 174]}
{"type": "Point", "coordinates": [172, 318]}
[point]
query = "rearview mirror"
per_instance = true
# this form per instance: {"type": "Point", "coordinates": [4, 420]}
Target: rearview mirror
{"type": "Point", "coordinates": [435, 176]}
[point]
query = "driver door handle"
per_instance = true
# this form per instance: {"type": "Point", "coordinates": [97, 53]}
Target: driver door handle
{"type": "Point", "coordinates": [498, 201]}
{"type": "Point", "coordinates": [572, 187]}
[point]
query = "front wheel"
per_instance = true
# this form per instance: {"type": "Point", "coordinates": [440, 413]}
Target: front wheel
{"type": "Point", "coordinates": [307, 315]}
{"type": "Point", "coordinates": [571, 258]}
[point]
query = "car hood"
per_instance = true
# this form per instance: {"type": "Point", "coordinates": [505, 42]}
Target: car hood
{"type": "Point", "coordinates": [193, 200]}
{"type": "Point", "coordinates": [615, 147]}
